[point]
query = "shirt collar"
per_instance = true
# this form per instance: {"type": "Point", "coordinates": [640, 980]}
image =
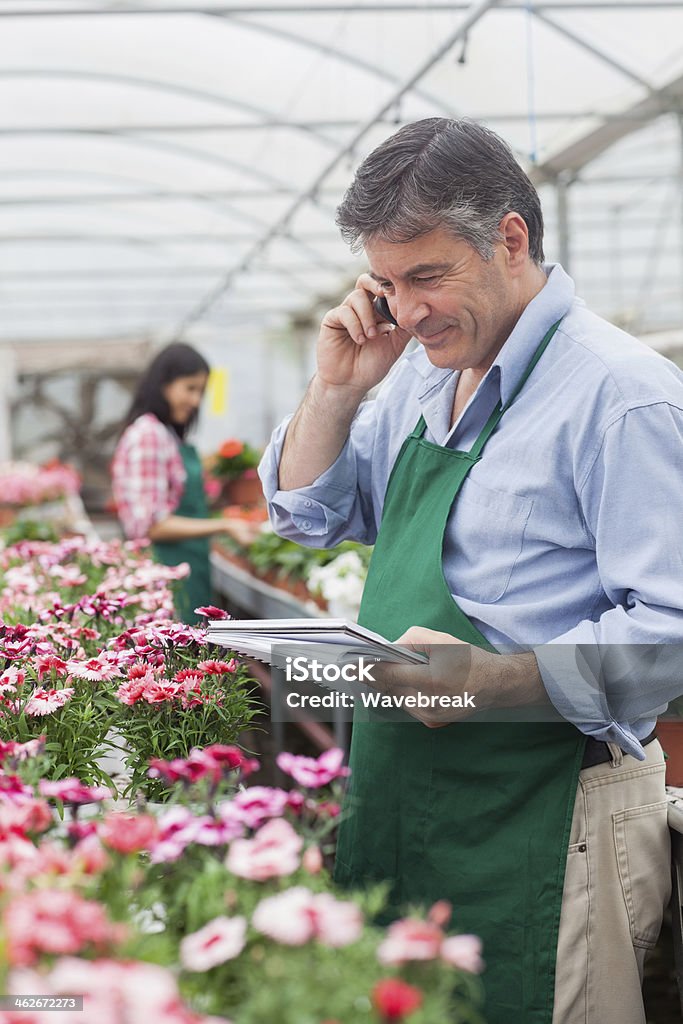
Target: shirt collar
{"type": "Point", "coordinates": [550, 305]}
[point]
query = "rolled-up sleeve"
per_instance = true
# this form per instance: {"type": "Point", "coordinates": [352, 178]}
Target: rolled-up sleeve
{"type": "Point", "coordinates": [607, 674]}
{"type": "Point", "coordinates": [338, 505]}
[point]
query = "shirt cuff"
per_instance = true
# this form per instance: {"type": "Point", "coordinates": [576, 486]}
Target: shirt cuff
{"type": "Point", "coordinates": [318, 510]}
{"type": "Point", "coordinates": [574, 688]}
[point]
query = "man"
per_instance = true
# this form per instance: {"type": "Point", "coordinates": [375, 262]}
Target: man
{"type": "Point", "coordinates": [517, 474]}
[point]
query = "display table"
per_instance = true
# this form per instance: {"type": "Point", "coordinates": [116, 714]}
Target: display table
{"type": "Point", "coordinates": [246, 596]}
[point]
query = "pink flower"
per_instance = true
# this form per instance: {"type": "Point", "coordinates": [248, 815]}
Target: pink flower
{"type": "Point", "coordinates": [312, 860]}
{"type": "Point", "coordinates": [220, 940]}
{"type": "Point", "coordinates": [410, 939]}
{"type": "Point", "coordinates": [48, 663]}
{"type": "Point", "coordinates": [72, 791]}
{"type": "Point", "coordinates": [337, 922]}
{"type": "Point", "coordinates": [157, 692]}
{"type": "Point", "coordinates": [114, 992]}
{"type": "Point", "coordinates": [215, 761]}
{"type": "Point", "coordinates": [177, 829]}
{"type": "Point", "coordinates": [272, 853]}
{"type": "Point", "coordinates": [258, 803]}
{"type": "Point", "coordinates": [54, 921]}
{"type": "Point", "coordinates": [96, 670]}
{"type": "Point", "coordinates": [463, 951]}
{"type": "Point", "coordinates": [44, 702]}
{"type": "Point", "coordinates": [131, 692]}
{"type": "Point", "coordinates": [129, 833]}
{"type": "Point", "coordinates": [218, 668]}
{"type": "Point", "coordinates": [22, 815]}
{"type": "Point", "coordinates": [11, 679]}
{"type": "Point", "coordinates": [312, 772]}
{"type": "Point", "coordinates": [296, 916]}
{"type": "Point", "coordinates": [15, 751]}
{"type": "Point", "coordinates": [210, 611]}
{"type": "Point", "coordinates": [12, 788]}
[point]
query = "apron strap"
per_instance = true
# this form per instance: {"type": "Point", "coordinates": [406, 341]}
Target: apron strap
{"type": "Point", "coordinates": [495, 417]}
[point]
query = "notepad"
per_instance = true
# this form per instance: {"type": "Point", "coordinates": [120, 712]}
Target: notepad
{"type": "Point", "coordinates": [257, 638]}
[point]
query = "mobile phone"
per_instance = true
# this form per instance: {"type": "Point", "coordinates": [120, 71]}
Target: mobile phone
{"type": "Point", "coordinates": [381, 307]}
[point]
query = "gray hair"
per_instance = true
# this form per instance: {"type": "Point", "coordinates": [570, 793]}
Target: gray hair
{"type": "Point", "coordinates": [440, 173]}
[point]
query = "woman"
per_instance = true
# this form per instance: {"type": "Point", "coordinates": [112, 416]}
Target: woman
{"type": "Point", "coordinates": [157, 477]}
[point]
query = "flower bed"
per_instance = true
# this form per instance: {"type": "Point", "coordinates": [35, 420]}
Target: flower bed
{"type": "Point", "coordinates": [92, 657]}
{"type": "Point", "coordinates": [22, 483]}
{"type": "Point", "coordinates": [219, 903]}
{"type": "Point", "coordinates": [212, 902]}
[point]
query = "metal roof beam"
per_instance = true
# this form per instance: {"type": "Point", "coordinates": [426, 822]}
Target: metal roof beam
{"type": "Point", "coordinates": [251, 126]}
{"type": "Point", "coordinates": [334, 8]}
{"type": "Point", "coordinates": [475, 12]}
{"type": "Point", "coordinates": [153, 195]}
{"type": "Point", "coordinates": [574, 157]}
{"type": "Point", "coordinates": [327, 49]}
{"type": "Point", "coordinates": [138, 81]}
{"type": "Point", "coordinates": [112, 274]}
{"type": "Point", "coordinates": [595, 51]}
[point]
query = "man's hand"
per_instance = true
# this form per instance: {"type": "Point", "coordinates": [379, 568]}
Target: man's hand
{"type": "Point", "coordinates": [457, 669]}
{"type": "Point", "coordinates": [356, 347]}
{"type": "Point", "coordinates": [356, 350]}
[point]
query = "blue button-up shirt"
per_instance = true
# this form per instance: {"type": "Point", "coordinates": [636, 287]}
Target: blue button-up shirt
{"type": "Point", "coordinates": [568, 533]}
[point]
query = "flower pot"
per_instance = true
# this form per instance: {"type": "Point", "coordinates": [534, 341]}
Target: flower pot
{"type": "Point", "coordinates": [245, 490]}
{"type": "Point", "coordinates": [670, 733]}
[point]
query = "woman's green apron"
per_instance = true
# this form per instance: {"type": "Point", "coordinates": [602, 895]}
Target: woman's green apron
{"type": "Point", "coordinates": [476, 812]}
{"type": "Point", "coordinates": [194, 591]}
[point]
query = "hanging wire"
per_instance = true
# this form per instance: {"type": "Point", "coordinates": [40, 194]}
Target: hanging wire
{"type": "Point", "coordinates": [531, 84]}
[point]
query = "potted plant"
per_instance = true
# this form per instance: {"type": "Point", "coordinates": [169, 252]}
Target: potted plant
{"type": "Point", "coordinates": [235, 466]}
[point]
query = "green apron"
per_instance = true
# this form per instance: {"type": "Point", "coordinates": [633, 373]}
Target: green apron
{"type": "Point", "coordinates": [194, 591]}
{"type": "Point", "coordinates": [476, 812]}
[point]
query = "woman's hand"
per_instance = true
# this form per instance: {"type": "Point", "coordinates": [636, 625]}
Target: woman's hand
{"type": "Point", "coordinates": [241, 531]}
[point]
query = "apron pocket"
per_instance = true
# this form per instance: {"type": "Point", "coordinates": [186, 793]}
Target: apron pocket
{"type": "Point", "coordinates": [641, 839]}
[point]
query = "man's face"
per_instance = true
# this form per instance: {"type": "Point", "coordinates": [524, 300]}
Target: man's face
{"type": "Point", "coordinates": [460, 307]}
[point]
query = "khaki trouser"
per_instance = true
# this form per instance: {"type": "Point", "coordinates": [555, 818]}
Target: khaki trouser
{"type": "Point", "coordinates": [617, 885]}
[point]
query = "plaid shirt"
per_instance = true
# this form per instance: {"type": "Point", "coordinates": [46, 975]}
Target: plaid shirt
{"type": "Point", "coordinates": [148, 475]}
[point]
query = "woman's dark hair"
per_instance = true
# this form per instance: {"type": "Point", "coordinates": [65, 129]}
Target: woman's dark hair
{"type": "Point", "coordinates": [176, 360]}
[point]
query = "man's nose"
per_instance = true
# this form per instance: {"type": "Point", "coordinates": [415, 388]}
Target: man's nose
{"type": "Point", "coordinates": [409, 310]}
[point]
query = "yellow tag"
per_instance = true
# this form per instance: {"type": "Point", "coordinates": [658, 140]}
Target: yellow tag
{"type": "Point", "coordinates": [217, 391]}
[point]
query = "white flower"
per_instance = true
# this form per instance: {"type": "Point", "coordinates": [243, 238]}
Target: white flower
{"type": "Point", "coordinates": [341, 583]}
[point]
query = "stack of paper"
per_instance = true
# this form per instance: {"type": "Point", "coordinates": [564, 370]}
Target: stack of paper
{"type": "Point", "coordinates": [256, 638]}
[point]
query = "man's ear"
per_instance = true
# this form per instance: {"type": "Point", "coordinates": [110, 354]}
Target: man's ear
{"type": "Point", "coordinates": [514, 235]}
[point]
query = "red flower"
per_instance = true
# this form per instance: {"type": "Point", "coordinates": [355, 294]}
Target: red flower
{"type": "Point", "coordinates": [395, 999]}
{"type": "Point", "coordinates": [229, 449]}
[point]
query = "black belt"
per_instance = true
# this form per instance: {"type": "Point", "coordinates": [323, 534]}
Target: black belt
{"type": "Point", "coordinates": [597, 752]}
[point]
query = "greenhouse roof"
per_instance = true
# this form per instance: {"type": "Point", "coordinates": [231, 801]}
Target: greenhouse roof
{"type": "Point", "coordinates": [169, 168]}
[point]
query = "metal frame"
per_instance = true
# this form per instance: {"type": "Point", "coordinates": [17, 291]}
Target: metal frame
{"type": "Point", "coordinates": [225, 9]}
{"type": "Point", "coordinates": [563, 169]}
{"type": "Point", "coordinates": [475, 13]}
